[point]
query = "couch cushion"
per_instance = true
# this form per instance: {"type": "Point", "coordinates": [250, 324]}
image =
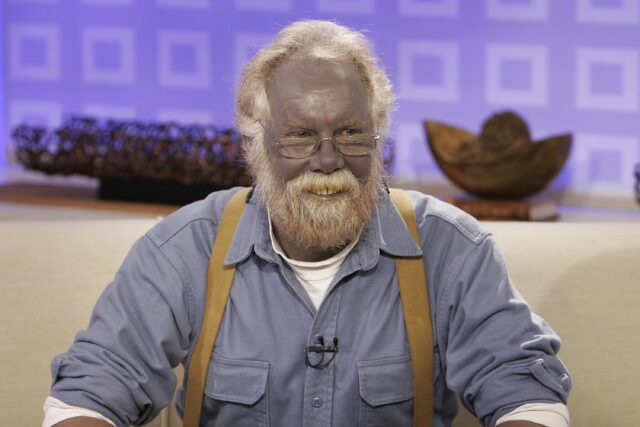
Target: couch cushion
{"type": "Point", "coordinates": [51, 275]}
{"type": "Point", "coordinates": [584, 279]}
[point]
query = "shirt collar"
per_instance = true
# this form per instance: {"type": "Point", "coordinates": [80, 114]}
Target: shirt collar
{"type": "Point", "coordinates": [252, 233]}
{"type": "Point", "coordinates": [386, 232]}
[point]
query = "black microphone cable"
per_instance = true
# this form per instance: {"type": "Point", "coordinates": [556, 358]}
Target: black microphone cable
{"type": "Point", "coordinates": [321, 349]}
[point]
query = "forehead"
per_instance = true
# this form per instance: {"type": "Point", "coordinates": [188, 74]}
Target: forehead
{"type": "Point", "coordinates": [317, 91]}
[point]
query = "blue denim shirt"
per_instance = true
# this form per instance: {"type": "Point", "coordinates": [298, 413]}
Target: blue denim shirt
{"type": "Point", "coordinates": [489, 349]}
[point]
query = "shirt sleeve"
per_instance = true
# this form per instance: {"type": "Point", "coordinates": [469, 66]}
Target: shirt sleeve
{"type": "Point", "coordinates": [56, 410]}
{"type": "Point", "coordinates": [121, 366]}
{"type": "Point", "coordinates": [547, 414]}
{"type": "Point", "coordinates": [499, 355]}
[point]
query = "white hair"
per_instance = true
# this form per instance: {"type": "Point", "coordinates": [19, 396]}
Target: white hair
{"type": "Point", "coordinates": [310, 39]}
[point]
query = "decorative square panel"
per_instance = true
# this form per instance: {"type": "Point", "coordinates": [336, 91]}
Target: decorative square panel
{"type": "Point", "coordinates": [605, 166]}
{"type": "Point", "coordinates": [530, 87]}
{"type": "Point", "coordinates": [34, 52]}
{"type": "Point", "coordinates": [183, 4]}
{"type": "Point", "coordinates": [356, 7]}
{"type": "Point", "coordinates": [33, 1]}
{"type": "Point", "coordinates": [34, 112]}
{"type": "Point", "coordinates": [622, 12]}
{"type": "Point", "coordinates": [604, 163]}
{"type": "Point", "coordinates": [516, 74]}
{"type": "Point", "coordinates": [245, 46]}
{"type": "Point", "coordinates": [531, 10]}
{"type": "Point", "coordinates": [113, 3]}
{"type": "Point", "coordinates": [30, 112]}
{"type": "Point", "coordinates": [108, 111]}
{"type": "Point", "coordinates": [108, 55]}
{"type": "Point", "coordinates": [413, 160]}
{"type": "Point", "coordinates": [441, 8]}
{"type": "Point", "coordinates": [186, 117]}
{"type": "Point", "coordinates": [183, 59]}
{"type": "Point", "coordinates": [274, 5]}
{"type": "Point", "coordinates": [441, 84]}
{"type": "Point", "coordinates": [600, 90]}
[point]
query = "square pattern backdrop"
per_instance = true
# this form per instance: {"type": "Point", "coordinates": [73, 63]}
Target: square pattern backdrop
{"type": "Point", "coordinates": [565, 66]}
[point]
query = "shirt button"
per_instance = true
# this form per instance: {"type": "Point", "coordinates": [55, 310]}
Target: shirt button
{"type": "Point", "coordinates": [316, 402]}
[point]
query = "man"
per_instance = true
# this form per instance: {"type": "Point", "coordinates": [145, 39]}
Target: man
{"type": "Point", "coordinates": [314, 253]}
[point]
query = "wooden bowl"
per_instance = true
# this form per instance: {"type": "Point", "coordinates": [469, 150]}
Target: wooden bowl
{"type": "Point", "coordinates": [521, 170]}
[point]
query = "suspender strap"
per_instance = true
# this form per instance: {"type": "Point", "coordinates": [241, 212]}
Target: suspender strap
{"type": "Point", "coordinates": [413, 292]}
{"type": "Point", "coordinates": [215, 302]}
{"type": "Point", "coordinates": [417, 317]}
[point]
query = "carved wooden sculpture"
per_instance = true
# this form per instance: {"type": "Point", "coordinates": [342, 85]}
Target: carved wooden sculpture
{"type": "Point", "coordinates": [500, 163]}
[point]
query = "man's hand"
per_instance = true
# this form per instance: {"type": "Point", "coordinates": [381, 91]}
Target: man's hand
{"type": "Point", "coordinates": [83, 422]}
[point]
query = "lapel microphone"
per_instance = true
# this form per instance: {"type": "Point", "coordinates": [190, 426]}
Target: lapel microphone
{"type": "Point", "coordinates": [321, 349]}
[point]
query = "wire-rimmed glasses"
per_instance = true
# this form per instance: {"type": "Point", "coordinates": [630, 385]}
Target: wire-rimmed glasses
{"type": "Point", "coordinates": [348, 142]}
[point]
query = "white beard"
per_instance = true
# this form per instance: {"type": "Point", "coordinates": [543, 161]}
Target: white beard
{"type": "Point", "coordinates": [298, 210]}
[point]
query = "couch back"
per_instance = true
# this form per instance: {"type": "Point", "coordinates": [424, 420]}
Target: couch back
{"type": "Point", "coordinates": [584, 279]}
{"type": "Point", "coordinates": [51, 274]}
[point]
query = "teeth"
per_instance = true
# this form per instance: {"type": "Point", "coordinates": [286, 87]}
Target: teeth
{"type": "Point", "coordinates": [324, 191]}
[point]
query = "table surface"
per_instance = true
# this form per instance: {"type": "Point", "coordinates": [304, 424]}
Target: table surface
{"type": "Point", "coordinates": [42, 201]}
{"type": "Point", "coordinates": [35, 201]}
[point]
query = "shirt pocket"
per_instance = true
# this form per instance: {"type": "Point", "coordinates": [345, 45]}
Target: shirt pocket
{"type": "Point", "coordinates": [386, 392]}
{"type": "Point", "coordinates": [236, 392]}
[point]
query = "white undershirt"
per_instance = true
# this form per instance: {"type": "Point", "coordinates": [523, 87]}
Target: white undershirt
{"type": "Point", "coordinates": [547, 414]}
{"type": "Point", "coordinates": [316, 277]}
{"type": "Point", "coordinates": [56, 410]}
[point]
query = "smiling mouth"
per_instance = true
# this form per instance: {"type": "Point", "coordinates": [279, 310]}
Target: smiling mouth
{"type": "Point", "coordinates": [324, 191]}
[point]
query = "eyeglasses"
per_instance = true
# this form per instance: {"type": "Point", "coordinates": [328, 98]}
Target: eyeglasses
{"type": "Point", "coordinates": [304, 144]}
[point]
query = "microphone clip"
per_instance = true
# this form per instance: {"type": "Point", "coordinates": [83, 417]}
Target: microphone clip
{"type": "Point", "coordinates": [321, 349]}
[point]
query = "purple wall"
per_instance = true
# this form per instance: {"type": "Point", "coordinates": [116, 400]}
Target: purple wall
{"type": "Point", "coordinates": [563, 65]}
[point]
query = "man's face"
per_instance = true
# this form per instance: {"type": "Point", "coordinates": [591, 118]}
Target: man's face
{"type": "Point", "coordinates": [324, 99]}
{"type": "Point", "coordinates": [324, 200]}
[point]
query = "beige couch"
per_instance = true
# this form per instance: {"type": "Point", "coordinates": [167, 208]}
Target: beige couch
{"type": "Point", "coordinates": [583, 278]}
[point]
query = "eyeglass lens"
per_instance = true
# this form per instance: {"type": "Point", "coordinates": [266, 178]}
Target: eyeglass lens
{"type": "Point", "coordinates": [300, 147]}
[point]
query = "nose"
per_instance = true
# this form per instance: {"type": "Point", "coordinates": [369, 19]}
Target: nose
{"type": "Point", "coordinates": [327, 159]}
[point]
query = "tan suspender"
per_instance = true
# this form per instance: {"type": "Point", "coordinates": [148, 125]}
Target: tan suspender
{"type": "Point", "coordinates": [215, 302]}
{"type": "Point", "coordinates": [417, 317]}
{"type": "Point", "coordinates": [413, 292]}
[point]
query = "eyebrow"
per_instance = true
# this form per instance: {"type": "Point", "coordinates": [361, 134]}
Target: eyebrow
{"type": "Point", "coordinates": [295, 125]}
{"type": "Point", "coordinates": [347, 122]}
{"type": "Point", "coordinates": [352, 122]}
